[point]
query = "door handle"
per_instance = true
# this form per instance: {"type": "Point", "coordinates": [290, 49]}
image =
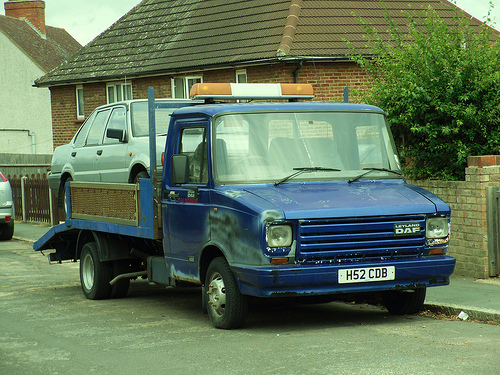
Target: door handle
{"type": "Point", "coordinates": [73, 153]}
{"type": "Point", "coordinates": [172, 195]}
{"type": "Point", "coordinates": [99, 152]}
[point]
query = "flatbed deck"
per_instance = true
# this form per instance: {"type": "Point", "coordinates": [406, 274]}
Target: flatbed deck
{"type": "Point", "coordinates": [125, 209]}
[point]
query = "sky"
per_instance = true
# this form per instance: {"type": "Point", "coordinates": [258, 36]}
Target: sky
{"type": "Point", "coordinates": [85, 20]}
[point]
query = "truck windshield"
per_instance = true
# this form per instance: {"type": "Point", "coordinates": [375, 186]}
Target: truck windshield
{"type": "Point", "coordinates": [270, 147]}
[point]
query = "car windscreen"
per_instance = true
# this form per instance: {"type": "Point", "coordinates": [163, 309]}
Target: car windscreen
{"type": "Point", "coordinates": [140, 117]}
{"type": "Point", "coordinates": [328, 145]}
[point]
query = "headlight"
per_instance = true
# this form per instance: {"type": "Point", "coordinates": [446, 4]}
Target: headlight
{"type": "Point", "coordinates": [437, 227]}
{"type": "Point", "coordinates": [279, 235]}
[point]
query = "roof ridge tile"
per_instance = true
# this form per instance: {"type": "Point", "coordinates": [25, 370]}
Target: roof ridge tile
{"type": "Point", "coordinates": [290, 28]}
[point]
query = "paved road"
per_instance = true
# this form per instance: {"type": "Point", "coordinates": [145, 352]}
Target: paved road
{"type": "Point", "coordinates": [48, 327]}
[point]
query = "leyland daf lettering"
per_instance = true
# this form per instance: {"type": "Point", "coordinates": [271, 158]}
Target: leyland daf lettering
{"type": "Point", "coordinates": [407, 229]}
{"type": "Point", "coordinates": [261, 200]}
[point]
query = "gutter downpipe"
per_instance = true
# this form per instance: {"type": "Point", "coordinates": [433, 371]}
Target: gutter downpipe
{"type": "Point", "coordinates": [296, 72]}
{"type": "Point", "coordinates": [31, 134]}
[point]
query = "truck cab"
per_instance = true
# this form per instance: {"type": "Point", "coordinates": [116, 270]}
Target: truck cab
{"type": "Point", "coordinates": [297, 199]}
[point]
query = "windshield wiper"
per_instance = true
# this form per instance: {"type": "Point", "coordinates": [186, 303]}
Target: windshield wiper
{"type": "Point", "coordinates": [369, 170]}
{"type": "Point", "coordinates": [305, 169]}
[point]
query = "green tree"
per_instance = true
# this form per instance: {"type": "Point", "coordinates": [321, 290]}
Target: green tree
{"type": "Point", "coordinates": [440, 86]}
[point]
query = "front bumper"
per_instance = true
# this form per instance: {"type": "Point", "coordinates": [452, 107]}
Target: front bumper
{"type": "Point", "coordinates": [301, 280]}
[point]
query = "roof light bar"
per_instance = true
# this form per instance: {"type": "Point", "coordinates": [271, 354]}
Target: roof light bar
{"type": "Point", "coordinates": [235, 91]}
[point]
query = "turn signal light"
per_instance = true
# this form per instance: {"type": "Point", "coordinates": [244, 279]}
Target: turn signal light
{"type": "Point", "coordinates": [438, 251]}
{"type": "Point", "coordinates": [279, 260]}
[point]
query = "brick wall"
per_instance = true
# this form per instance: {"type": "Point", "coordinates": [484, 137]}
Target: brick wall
{"type": "Point", "coordinates": [64, 118]}
{"type": "Point", "coordinates": [328, 80]}
{"type": "Point", "coordinates": [469, 224]}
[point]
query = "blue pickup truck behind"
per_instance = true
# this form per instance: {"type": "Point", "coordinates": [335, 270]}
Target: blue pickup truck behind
{"type": "Point", "coordinates": [264, 199]}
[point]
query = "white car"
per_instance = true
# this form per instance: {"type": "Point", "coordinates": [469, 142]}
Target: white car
{"type": "Point", "coordinates": [6, 209]}
{"type": "Point", "coordinates": [112, 145]}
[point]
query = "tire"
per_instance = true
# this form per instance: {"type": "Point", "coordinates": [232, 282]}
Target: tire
{"type": "Point", "coordinates": [141, 174]}
{"type": "Point", "coordinates": [204, 299]}
{"type": "Point", "coordinates": [226, 306]}
{"type": "Point", "coordinates": [61, 198]}
{"type": "Point", "coordinates": [120, 288]}
{"type": "Point", "coordinates": [7, 231]}
{"type": "Point", "coordinates": [401, 302]}
{"type": "Point", "coordinates": [94, 274]}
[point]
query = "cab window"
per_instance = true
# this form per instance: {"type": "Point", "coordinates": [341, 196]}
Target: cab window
{"type": "Point", "coordinates": [194, 144]}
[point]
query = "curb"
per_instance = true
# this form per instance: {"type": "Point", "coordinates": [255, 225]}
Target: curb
{"type": "Point", "coordinates": [23, 239]}
{"type": "Point", "coordinates": [474, 313]}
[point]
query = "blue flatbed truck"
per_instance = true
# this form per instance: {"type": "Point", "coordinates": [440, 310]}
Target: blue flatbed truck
{"type": "Point", "coordinates": [263, 199]}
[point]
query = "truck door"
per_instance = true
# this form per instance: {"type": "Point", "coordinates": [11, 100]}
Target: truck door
{"type": "Point", "coordinates": [186, 208]}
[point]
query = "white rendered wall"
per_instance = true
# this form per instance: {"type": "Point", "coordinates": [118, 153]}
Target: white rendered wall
{"type": "Point", "coordinates": [22, 106]}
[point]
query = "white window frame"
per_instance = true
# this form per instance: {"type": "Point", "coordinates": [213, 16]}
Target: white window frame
{"type": "Point", "coordinates": [238, 79]}
{"type": "Point", "coordinates": [186, 87]}
{"type": "Point", "coordinates": [118, 87]}
{"type": "Point", "coordinates": [80, 110]}
{"type": "Point", "coordinates": [239, 73]}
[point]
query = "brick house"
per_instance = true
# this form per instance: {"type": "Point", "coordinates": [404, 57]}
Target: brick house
{"type": "Point", "coordinates": [171, 44]}
{"type": "Point", "coordinates": [28, 49]}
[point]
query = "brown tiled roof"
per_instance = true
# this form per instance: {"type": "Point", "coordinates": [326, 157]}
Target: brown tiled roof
{"type": "Point", "coordinates": [47, 53]}
{"type": "Point", "coordinates": [175, 36]}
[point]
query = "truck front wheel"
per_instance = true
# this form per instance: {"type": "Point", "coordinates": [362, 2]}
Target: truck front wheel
{"type": "Point", "coordinates": [94, 274]}
{"type": "Point", "coordinates": [401, 302]}
{"type": "Point", "coordinates": [226, 306]}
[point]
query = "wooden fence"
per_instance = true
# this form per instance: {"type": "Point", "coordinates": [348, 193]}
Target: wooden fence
{"type": "Point", "coordinates": [33, 199]}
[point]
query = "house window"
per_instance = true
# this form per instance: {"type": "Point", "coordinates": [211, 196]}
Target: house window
{"type": "Point", "coordinates": [118, 92]}
{"type": "Point", "coordinates": [80, 114]}
{"type": "Point", "coordinates": [241, 76]}
{"type": "Point", "coordinates": [182, 85]}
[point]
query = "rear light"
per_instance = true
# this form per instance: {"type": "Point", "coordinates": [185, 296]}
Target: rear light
{"type": "Point", "coordinates": [2, 177]}
{"type": "Point", "coordinates": [8, 218]}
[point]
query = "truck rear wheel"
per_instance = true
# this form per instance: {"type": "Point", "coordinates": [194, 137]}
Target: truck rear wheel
{"type": "Point", "coordinates": [226, 306]}
{"type": "Point", "coordinates": [401, 302]}
{"type": "Point", "coordinates": [94, 274]}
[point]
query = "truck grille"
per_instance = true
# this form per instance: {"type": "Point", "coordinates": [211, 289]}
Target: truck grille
{"type": "Point", "coordinates": [357, 239]}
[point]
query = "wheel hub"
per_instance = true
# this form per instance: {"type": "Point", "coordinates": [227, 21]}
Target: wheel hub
{"type": "Point", "coordinates": [88, 271]}
{"type": "Point", "coordinates": [217, 294]}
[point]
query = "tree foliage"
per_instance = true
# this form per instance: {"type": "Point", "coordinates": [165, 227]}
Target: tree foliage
{"type": "Point", "coordinates": [440, 86]}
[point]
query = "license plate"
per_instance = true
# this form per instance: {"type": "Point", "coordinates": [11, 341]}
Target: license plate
{"type": "Point", "coordinates": [366, 275]}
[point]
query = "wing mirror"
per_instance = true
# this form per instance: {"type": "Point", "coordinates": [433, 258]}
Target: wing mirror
{"type": "Point", "coordinates": [116, 134]}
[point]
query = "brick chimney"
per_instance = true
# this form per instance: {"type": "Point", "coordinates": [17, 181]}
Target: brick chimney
{"type": "Point", "coordinates": [32, 11]}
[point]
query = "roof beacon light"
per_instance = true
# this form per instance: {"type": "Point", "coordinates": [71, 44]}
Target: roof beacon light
{"type": "Point", "coordinates": [248, 91]}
